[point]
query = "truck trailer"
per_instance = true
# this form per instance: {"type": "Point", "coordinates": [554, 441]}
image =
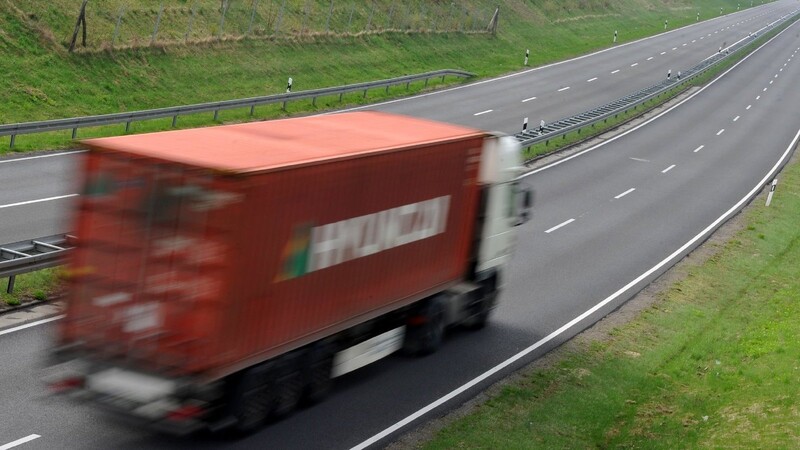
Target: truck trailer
{"type": "Point", "coordinates": [223, 276]}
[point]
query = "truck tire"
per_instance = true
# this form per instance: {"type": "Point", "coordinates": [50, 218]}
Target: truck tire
{"type": "Point", "coordinates": [250, 399]}
{"type": "Point", "coordinates": [288, 385]}
{"type": "Point", "coordinates": [426, 337]}
{"type": "Point", "coordinates": [483, 309]}
{"type": "Point", "coordinates": [317, 373]}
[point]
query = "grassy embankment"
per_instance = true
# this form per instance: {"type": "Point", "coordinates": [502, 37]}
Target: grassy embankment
{"type": "Point", "coordinates": [42, 81]}
{"type": "Point", "coordinates": [714, 362]}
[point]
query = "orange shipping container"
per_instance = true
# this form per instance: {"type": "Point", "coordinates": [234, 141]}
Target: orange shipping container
{"type": "Point", "coordinates": [208, 250]}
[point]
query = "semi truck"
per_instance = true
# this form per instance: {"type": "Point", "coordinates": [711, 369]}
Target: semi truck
{"type": "Point", "coordinates": [223, 276]}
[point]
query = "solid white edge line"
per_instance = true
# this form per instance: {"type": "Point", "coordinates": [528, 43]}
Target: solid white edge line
{"type": "Point", "coordinates": [37, 201]}
{"type": "Point", "coordinates": [40, 156]}
{"type": "Point", "coordinates": [624, 193]}
{"type": "Point", "coordinates": [562, 224]}
{"type": "Point", "coordinates": [32, 324]}
{"type": "Point", "coordinates": [698, 238]}
{"type": "Point", "coordinates": [19, 441]}
{"type": "Point", "coordinates": [483, 112]}
{"type": "Point", "coordinates": [658, 116]}
{"type": "Point", "coordinates": [668, 169]}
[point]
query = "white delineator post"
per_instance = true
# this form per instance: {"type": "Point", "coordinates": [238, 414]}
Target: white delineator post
{"type": "Point", "coordinates": [525, 124]}
{"type": "Point", "coordinates": [771, 191]}
{"type": "Point", "coordinates": [527, 53]}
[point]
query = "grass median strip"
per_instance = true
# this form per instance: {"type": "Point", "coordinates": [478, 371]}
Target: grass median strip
{"type": "Point", "coordinates": [712, 363]}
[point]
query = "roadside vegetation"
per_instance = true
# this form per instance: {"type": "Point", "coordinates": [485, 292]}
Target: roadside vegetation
{"type": "Point", "coordinates": [43, 81]}
{"type": "Point", "coordinates": [712, 363]}
{"type": "Point", "coordinates": [30, 287]}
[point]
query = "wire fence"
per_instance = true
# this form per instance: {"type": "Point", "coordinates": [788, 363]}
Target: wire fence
{"type": "Point", "coordinates": [141, 23]}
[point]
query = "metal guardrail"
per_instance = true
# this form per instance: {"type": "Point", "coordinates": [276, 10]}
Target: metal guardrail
{"type": "Point", "coordinates": [32, 255]}
{"type": "Point", "coordinates": [127, 117]}
{"type": "Point", "coordinates": [563, 126]}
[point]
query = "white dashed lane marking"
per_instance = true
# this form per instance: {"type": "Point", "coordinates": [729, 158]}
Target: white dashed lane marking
{"type": "Point", "coordinates": [562, 224]}
{"type": "Point", "coordinates": [483, 112]}
{"type": "Point", "coordinates": [624, 193]}
{"type": "Point", "coordinates": [699, 148]}
{"type": "Point", "coordinates": [668, 169]}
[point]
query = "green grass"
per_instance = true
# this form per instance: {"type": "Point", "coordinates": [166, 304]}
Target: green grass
{"type": "Point", "coordinates": [39, 285]}
{"type": "Point", "coordinates": [713, 363]}
{"type": "Point", "coordinates": [42, 81]}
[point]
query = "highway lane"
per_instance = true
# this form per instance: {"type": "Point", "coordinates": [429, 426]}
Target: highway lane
{"type": "Point", "coordinates": [43, 192]}
{"type": "Point", "coordinates": [557, 91]}
{"type": "Point", "coordinates": [504, 103]}
{"type": "Point", "coordinates": [629, 213]}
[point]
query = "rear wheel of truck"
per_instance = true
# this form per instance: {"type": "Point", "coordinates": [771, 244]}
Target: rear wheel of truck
{"type": "Point", "coordinates": [288, 385]}
{"type": "Point", "coordinates": [425, 333]}
{"type": "Point", "coordinates": [251, 399]}
{"type": "Point", "coordinates": [317, 372]}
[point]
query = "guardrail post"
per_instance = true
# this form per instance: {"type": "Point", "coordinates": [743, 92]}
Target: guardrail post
{"type": "Point", "coordinates": [216, 114]}
{"type": "Point", "coordinates": [127, 126]}
{"type": "Point", "coordinates": [407, 83]}
{"type": "Point", "coordinates": [426, 82]}
{"type": "Point", "coordinates": [443, 78]}
{"type": "Point", "coordinates": [174, 120]}
{"type": "Point", "coordinates": [365, 93]}
{"type": "Point", "coordinates": [252, 110]}
{"type": "Point", "coordinates": [387, 88]}
{"type": "Point", "coordinates": [74, 133]}
{"type": "Point", "coordinates": [340, 96]}
{"type": "Point", "coordinates": [13, 138]}
{"type": "Point", "coordinates": [10, 289]}
{"type": "Point", "coordinates": [313, 101]}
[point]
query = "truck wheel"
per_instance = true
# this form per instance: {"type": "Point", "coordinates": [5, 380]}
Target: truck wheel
{"type": "Point", "coordinates": [317, 373]}
{"type": "Point", "coordinates": [288, 384]}
{"type": "Point", "coordinates": [483, 309]}
{"type": "Point", "coordinates": [251, 399]}
{"type": "Point", "coordinates": [427, 337]}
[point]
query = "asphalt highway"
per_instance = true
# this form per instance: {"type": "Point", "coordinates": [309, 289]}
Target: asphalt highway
{"type": "Point", "coordinates": [606, 223]}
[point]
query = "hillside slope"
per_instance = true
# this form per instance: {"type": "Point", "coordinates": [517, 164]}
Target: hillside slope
{"type": "Point", "coordinates": [42, 80]}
